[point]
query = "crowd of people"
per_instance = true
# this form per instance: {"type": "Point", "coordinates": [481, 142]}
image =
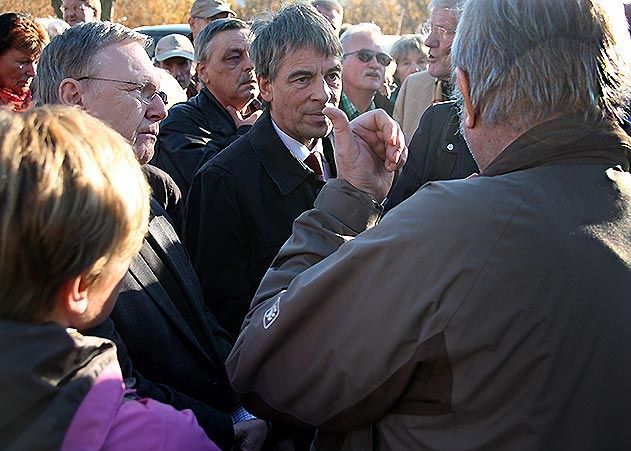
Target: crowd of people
{"type": "Point", "coordinates": [284, 234]}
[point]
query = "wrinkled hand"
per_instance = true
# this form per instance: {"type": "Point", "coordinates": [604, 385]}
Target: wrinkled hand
{"type": "Point", "coordinates": [368, 150]}
{"type": "Point", "coordinates": [249, 435]}
{"type": "Point", "coordinates": [239, 120]}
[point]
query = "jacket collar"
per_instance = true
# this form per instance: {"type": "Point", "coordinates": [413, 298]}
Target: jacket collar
{"type": "Point", "coordinates": [210, 105]}
{"type": "Point", "coordinates": [566, 139]}
{"type": "Point", "coordinates": [286, 171]}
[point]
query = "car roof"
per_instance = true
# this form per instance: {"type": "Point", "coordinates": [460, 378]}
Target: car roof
{"type": "Point", "coordinates": [156, 32]}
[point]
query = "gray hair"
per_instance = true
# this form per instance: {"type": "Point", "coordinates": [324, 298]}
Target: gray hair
{"type": "Point", "coordinates": [565, 56]}
{"type": "Point", "coordinates": [203, 47]}
{"type": "Point", "coordinates": [73, 53]}
{"type": "Point", "coordinates": [295, 27]}
{"type": "Point", "coordinates": [406, 44]}
{"type": "Point", "coordinates": [361, 28]}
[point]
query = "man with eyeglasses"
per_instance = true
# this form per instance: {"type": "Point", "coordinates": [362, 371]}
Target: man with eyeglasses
{"type": "Point", "coordinates": [420, 90]}
{"type": "Point", "coordinates": [204, 12]}
{"type": "Point", "coordinates": [77, 11]}
{"type": "Point", "coordinates": [169, 344]}
{"type": "Point", "coordinates": [364, 65]}
{"type": "Point", "coordinates": [437, 149]}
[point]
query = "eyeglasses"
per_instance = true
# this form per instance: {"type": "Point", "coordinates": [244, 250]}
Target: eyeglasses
{"type": "Point", "coordinates": [147, 91]}
{"type": "Point", "coordinates": [365, 55]}
{"type": "Point", "coordinates": [76, 9]}
{"type": "Point", "coordinates": [428, 28]}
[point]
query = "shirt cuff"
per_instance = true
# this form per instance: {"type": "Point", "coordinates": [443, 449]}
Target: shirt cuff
{"type": "Point", "coordinates": [240, 414]}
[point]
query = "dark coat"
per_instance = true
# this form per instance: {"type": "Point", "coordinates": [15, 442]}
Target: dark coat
{"type": "Point", "coordinates": [239, 212]}
{"type": "Point", "coordinates": [437, 152]}
{"type": "Point", "coordinates": [161, 324]}
{"type": "Point", "coordinates": [192, 133]}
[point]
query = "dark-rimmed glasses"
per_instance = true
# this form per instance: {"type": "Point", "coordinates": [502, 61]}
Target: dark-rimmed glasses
{"type": "Point", "coordinates": [365, 55]}
{"type": "Point", "coordinates": [148, 91]}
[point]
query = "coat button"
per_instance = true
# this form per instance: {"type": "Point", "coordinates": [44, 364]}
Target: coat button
{"type": "Point", "coordinates": [450, 146]}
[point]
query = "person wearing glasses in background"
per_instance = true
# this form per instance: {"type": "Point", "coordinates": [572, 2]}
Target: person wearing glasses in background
{"type": "Point", "coordinates": [77, 11]}
{"type": "Point", "coordinates": [437, 149]}
{"type": "Point", "coordinates": [363, 68]}
{"type": "Point", "coordinates": [420, 90]}
{"type": "Point", "coordinates": [204, 12]}
{"type": "Point", "coordinates": [166, 340]}
{"type": "Point", "coordinates": [21, 42]}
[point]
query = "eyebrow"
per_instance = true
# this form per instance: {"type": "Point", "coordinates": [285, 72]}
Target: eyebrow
{"type": "Point", "coordinates": [300, 73]}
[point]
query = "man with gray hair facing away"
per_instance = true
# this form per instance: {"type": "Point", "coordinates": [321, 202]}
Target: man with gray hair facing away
{"type": "Point", "coordinates": [243, 202]}
{"type": "Point", "coordinates": [513, 333]}
{"type": "Point", "coordinates": [223, 110]}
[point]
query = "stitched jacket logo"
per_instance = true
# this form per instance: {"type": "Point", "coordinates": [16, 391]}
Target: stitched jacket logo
{"type": "Point", "coordinates": [271, 313]}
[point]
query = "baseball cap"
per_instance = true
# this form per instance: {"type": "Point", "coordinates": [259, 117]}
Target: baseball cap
{"type": "Point", "coordinates": [173, 45]}
{"type": "Point", "coordinates": [208, 8]}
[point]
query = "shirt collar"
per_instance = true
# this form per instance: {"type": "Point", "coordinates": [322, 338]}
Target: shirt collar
{"type": "Point", "coordinates": [297, 149]}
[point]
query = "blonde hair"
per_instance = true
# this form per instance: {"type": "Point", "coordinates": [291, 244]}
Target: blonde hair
{"type": "Point", "coordinates": [72, 197]}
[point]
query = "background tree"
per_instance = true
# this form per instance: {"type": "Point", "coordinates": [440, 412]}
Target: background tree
{"type": "Point", "coordinates": [393, 16]}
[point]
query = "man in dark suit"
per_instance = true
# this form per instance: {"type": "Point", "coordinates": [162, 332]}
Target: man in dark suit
{"type": "Point", "coordinates": [437, 151]}
{"type": "Point", "coordinates": [242, 203]}
{"type": "Point", "coordinates": [169, 344]}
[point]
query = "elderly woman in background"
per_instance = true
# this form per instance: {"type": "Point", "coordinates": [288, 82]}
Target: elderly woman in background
{"type": "Point", "coordinates": [409, 57]}
{"type": "Point", "coordinates": [21, 42]}
{"type": "Point", "coordinates": [78, 11]}
{"type": "Point", "coordinates": [74, 208]}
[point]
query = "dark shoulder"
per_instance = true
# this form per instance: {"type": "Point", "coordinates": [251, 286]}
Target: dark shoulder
{"type": "Point", "coordinates": [236, 155]}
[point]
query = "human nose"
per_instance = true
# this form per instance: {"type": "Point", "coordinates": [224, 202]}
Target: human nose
{"type": "Point", "coordinates": [322, 92]}
{"type": "Point", "coordinates": [432, 40]}
{"type": "Point", "coordinates": [30, 68]}
{"type": "Point", "coordinates": [157, 110]}
{"type": "Point", "coordinates": [248, 66]}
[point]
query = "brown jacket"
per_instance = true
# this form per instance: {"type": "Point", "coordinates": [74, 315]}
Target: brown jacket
{"type": "Point", "coordinates": [487, 313]}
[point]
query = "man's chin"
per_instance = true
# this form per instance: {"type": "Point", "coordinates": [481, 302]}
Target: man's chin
{"type": "Point", "coordinates": [144, 150]}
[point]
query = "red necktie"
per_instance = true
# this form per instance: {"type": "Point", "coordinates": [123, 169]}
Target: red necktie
{"type": "Point", "coordinates": [313, 163]}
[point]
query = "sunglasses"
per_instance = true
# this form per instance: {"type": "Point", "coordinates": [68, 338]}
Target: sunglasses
{"type": "Point", "coordinates": [148, 91]}
{"type": "Point", "coordinates": [365, 55]}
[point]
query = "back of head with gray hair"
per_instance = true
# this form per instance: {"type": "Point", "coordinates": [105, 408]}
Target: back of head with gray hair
{"type": "Point", "coordinates": [361, 28]}
{"type": "Point", "coordinates": [563, 56]}
{"type": "Point", "coordinates": [203, 47]}
{"type": "Point", "coordinates": [73, 55]}
{"type": "Point", "coordinates": [297, 26]}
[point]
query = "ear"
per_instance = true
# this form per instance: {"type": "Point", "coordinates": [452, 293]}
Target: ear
{"type": "Point", "coordinates": [71, 301]}
{"type": "Point", "coordinates": [265, 86]}
{"type": "Point", "coordinates": [70, 92]}
{"type": "Point", "coordinates": [462, 79]}
{"type": "Point", "coordinates": [200, 70]}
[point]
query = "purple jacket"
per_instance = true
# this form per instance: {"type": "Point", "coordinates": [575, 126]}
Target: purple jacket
{"type": "Point", "coordinates": [106, 420]}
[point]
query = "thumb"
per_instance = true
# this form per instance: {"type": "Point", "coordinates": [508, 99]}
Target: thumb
{"type": "Point", "coordinates": [338, 118]}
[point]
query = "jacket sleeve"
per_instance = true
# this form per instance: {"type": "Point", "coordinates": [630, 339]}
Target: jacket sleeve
{"type": "Point", "coordinates": [216, 424]}
{"type": "Point", "coordinates": [148, 424]}
{"type": "Point", "coordinates": [214, 234]}
{"type": "Point", "coordinates": [314, 348]}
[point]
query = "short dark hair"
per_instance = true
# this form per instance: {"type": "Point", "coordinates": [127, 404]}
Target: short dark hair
{"type": "Point", "coordinates": [20, 31]}
{"type": "Point", "coordinates": [296, 26]}
{"type": "Point", "coordinates": [203, 39]}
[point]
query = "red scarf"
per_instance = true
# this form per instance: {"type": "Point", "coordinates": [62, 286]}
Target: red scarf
{"type": "Point", "coordinates": [19, 102]}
